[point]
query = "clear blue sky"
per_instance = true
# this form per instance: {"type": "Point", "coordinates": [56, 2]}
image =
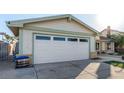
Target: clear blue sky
{"type": "Point", "coordinates": [90, 19]}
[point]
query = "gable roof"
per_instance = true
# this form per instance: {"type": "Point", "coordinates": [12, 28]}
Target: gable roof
{"type": "Point", "coordinates": [20, 23]}
{"type": "Point", "coordinates": [111, 30]}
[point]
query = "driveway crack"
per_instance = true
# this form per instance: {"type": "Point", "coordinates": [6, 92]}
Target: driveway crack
{"type": "Point", "coordinates": [35, 72]}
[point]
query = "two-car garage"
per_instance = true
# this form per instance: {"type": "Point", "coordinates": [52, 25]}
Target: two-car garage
{"type": "Point", "coordinates": [54, 39]}
{"type": "Point", "coordinates": [50, 48]}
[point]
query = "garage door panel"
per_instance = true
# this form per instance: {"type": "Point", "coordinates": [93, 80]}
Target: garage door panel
{"type": "Point", "coordinates": [47, 51]}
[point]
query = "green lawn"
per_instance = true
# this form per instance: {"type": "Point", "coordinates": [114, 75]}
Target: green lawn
{"type": "Point", "coordinates": [116, 63]}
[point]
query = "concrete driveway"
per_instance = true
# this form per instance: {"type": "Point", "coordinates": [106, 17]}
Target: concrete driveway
{"type": "Point", "coordinates": [8, 71]}
{"type": "Point", "coordinates": [83, 69]}
{"type": "Point", "coordinates": [62, 70]}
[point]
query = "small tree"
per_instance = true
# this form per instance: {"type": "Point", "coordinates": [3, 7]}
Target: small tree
{"type": "Point", "coordinates": [119, 40]}
{"type": "Point", "coordinates": [119, 43]}
{"type": "Point", "coordinates": [9, 38]}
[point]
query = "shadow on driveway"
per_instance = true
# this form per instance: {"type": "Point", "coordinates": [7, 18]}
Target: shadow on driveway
{"type": "Point", "coordinates": [104, 71]}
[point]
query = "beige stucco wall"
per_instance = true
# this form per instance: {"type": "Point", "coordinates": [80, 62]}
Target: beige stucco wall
{"type": "Point", "coordinates": [61, 24]}
{"type": "Point", "coordinates": [26, 35]}
{"type": "Point", "coordinates": [104, 33]}
{"type": "Point", "coordinates": [27, 40]}
{"type": "Point", "coordinates": [103, 46]}
{"type": "Point", "coordinates": [93, 44]}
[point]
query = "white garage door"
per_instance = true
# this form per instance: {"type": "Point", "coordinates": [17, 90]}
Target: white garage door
{"type": "Point", "coordinates": [48, 49]}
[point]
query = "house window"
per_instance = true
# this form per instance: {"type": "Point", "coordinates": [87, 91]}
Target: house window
{"type": "Point", "coordinates": [83, 40]}
{"type": "Point", "coordinates": [59, 38]}
{"type": "Point", "coordinates": [97, 46]}
{"type": "Point", "coordinates": [108, 46]}
{"type": "Point", "coordinates": [73, 39]}
{"type": "Point", "coordinates": [42, 37]}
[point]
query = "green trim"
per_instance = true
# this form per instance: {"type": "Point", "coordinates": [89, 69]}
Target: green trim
{"type": "Point", "coordinates": [20, 23]}
{"type": "Point", "coordinates": [25, 21]}
{"type": "Point", "coordinates": [50, 30]}
{"type": "Point", "coordinates": [89, 47]}
{"type": "Point", "coordinates": [32, 48]}
{"type": "Point", "coordinates": [14, 25]}
{"type": "Point", "coordinates": [64, 35]}
{"type": "Point", "coordinates": [95, 44]}
{"type": "Point", "coordinates": [87, 26]}
{"type": "Point", "coordinates": [20, 41]}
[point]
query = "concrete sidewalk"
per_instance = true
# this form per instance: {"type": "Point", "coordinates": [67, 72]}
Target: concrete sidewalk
{"type": "Point", "coordinates": [99, 70]}
{"type": "Point", "coordinates": [111, 57]}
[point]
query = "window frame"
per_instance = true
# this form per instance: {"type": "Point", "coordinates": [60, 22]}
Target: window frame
{"type": "Point", "coordinates": [59, 38]}
{"type": "Point", "coordinates": [43, 37]}
{"type": "Point", "coordinates": [72, 39]}
{"type": "Point", "coordinates": [83, 40]}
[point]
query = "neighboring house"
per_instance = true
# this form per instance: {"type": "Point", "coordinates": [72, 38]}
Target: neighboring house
{"type": "Point", "coordinates": [108, 31]}
{"type": "Point", "coordinates": [103, 42]}
{"type": "Point", "coordinates": [55, 39]}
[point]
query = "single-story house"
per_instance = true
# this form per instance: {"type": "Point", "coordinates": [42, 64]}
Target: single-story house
{"type": "Point", "coordinates": [55, 38]}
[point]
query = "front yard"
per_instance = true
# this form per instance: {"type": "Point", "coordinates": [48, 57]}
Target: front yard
{"type": "Point", "coordinates": [116, 63]}
{"type": "Point", "coordinates": [84, 69]}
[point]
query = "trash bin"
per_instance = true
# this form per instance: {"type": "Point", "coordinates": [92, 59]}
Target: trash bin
{"type": "Point", "coordinates": [22, 61]}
